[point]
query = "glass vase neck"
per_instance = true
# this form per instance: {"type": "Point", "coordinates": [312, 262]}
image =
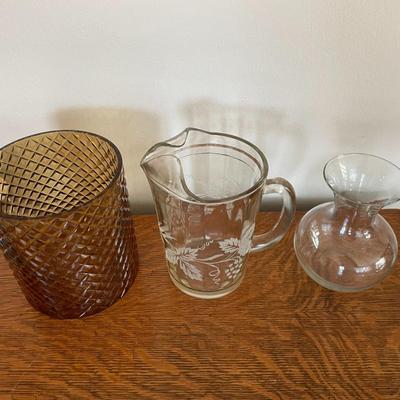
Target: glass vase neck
{"type": "Point", "coordinates": [356, 213]}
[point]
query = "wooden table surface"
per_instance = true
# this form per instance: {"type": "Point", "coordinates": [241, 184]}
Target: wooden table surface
{"type": "Point", "coordinates": [279, 336]}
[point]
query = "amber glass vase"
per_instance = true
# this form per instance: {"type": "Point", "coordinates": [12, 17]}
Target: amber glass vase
{"type": "Point", "coordinates": [65, 224]}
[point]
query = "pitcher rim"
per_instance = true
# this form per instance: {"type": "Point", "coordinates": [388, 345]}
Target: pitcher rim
{"type": "Point", "coordinates": [118, 172]}
{"type": "Point", "coordinates": [259, 183]}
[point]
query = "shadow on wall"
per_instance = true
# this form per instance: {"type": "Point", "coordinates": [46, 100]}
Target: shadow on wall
{"type": "Point", "coordinates": [282, 141]}
{"type": "Point", "coordinates": [369, 135]}
{"type": "Point", "coordinates": [132, 131]}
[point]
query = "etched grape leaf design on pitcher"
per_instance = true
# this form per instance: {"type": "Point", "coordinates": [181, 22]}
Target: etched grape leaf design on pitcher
{"type": "Point", "coordinates": [229, 258]}
{"type": "Point", "coordinates": [237, 249]}
{"type": "Point", "coordinates": [183, 257]}
{"type": "Point", "coordinates": [242, 246]}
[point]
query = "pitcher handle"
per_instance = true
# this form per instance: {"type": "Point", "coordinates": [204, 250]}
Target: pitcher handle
{"type": "Point", "coordinates": [285, 190]}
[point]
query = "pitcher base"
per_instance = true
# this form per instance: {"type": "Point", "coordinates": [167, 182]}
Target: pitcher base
{"type": "Point", "coordinates": [207, 295]}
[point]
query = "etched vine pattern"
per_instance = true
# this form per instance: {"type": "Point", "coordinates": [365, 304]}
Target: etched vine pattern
{"type": "Point", "coordinates": [232, 252]}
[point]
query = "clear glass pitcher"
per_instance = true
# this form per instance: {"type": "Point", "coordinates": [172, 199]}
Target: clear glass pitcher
{"type": "Point", "coordinates": [207, 188]}
{"type": "Point", "coordinates": [345, 245]}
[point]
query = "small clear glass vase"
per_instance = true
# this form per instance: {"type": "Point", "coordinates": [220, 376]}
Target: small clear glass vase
{"type": "Point", "coordinates": [346, 245]}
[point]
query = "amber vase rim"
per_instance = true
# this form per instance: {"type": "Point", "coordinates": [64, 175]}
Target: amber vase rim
{"type": "Point", "coordinates": [83, 204]}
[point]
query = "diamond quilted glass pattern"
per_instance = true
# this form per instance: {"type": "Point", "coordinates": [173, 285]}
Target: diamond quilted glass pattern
{"type": "Point", "coordinates": [65, 224]}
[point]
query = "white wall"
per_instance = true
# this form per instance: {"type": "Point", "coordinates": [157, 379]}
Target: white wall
{"type": "Point", "coordinates": [304, 80]}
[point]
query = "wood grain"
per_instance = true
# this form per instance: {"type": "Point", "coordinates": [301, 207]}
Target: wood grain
{"type": "Point", "coordinates": [279, 336]}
